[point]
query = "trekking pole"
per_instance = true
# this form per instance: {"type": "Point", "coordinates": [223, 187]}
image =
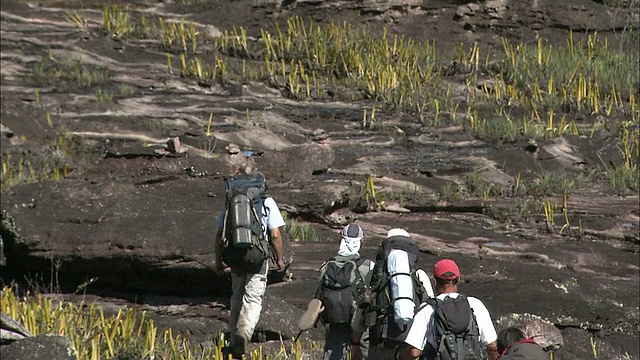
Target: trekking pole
{"type": "Point", "coordinates": [295, 339]}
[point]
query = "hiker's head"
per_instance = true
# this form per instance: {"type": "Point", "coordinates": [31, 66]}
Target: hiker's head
{"type": "Point", "coordinates": [350, 240]}
{"type": "Point", "coordinates": [508, 337]}
{"type": "Point", "coordinates": [447, 274]}
{"type": "Point", "coordinates": [398, 233]}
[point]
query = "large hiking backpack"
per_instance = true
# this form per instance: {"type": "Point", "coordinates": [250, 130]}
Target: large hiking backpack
{"type": "Point", "coordinates": [457, 333]}
{"type": "Point", "coordinates": [341, 281]}
{"type": "Point", "coordinates": [382, 325]}
{"type": "Point", "coordinates": [243, 233]}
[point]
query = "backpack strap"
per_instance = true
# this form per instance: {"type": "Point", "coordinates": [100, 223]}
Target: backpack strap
{"type": "Point", "coordinates": [418, 287]}
{"type": "Point", "coordinates": [359, 262]}
{"type": "Point", "coordinates": [225, 241]}
{"type": "Point", "coordinates": [258, 212]}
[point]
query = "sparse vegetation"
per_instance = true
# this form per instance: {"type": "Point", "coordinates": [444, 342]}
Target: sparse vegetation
{"type": "Point", "coordinates": [109, 95]}
{"type": "Point", "coordinates": [67, 154]}
{"type": "Point", "coordinates": [299, 232]}
{"type": "Point", "coordinates": [526, 92]}
{"type": "Point", "coordinates": [450, 191]}
{"type": "Point", "coordinates": [65, 74]}
{"type": "Point", "coordinates": [128, 334]}
{"type": "Point", "coordinates": [118, 23]}
{"type": "Point", "coordinates": [543, 84]}
{"type": "Point", "coordinates": [78, 19]}
{"type": "Point", "coordinates": [374, 199]}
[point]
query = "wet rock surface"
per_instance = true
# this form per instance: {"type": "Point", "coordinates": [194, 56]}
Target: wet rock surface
{"type": "Point", "coordinates": [133, 217]}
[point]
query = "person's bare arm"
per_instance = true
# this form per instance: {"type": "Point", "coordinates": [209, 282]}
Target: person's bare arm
{"type": "Point", "coordinates": [276, 242]}
{"type": "Point", "coordinates": [492, 351]}
{"type": "Point", "coordinates": [217, 261]}
{"type": "Point", "coordinates": [408, 352]}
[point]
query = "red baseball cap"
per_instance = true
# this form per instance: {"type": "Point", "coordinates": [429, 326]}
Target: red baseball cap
{"type": "Point", "coordinates": [446, 269]}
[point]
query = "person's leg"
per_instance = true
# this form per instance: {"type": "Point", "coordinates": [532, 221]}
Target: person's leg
{"type": "Point", "coordinates": [237, 292]}
{"type": "Point", "coordinates": [364, 344]}
{"type": "Point", "coordinates": [255, 286]}
{"type": "Point", "coordinates": [336, 341]}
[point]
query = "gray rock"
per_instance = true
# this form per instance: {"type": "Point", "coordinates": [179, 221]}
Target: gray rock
{"type": "Point", "coordinates": [542, 330]}
{"type": "Point", "coordinates": [11, 330]}
{"type": "Point", "coordinates": [41, 347]}
{"type": "Point", "coordinates": [5, 131]}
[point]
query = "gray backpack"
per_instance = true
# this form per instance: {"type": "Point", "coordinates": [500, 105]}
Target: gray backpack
{"type": "Point", "coordinates": [243, 234]}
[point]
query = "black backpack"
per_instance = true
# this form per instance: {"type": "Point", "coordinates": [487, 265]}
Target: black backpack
{"type": "Point", "coordinates": [341, 282]}
{"type": "Point", "coordinates": [385, 328]}
{"type": "Point", "coordinates": [243, 232]}
{"type": "Point", "coordinates": [457, 333]}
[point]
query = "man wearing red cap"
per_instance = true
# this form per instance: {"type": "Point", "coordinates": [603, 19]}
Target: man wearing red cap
{"type": "Point", "coordinates": [422, 334]}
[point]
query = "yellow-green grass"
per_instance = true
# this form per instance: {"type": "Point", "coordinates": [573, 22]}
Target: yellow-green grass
{"type": "Point", "coordinates": [308, 60]}
{"type": "Point", "coordinates": [128, 334]}
{"type": "Point", "coordinates": [69, 154]}
{"type": "Point", "coordinates": [65, 74]}
{"type": "Point", "coordinates": [109, 95]}
{"type": "Point", "coordinates": [299, 232]}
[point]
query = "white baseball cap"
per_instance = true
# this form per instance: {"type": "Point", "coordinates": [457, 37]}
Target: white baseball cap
{"type": "Point", "coordinates": [397, 232]}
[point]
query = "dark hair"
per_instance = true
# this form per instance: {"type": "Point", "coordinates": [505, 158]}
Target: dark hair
{"type": "Point", "coordinates": [442, 282]}
{"type": "Point", "coordinates": [508, 337]}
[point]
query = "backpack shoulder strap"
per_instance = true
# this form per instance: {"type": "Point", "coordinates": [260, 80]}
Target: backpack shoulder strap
{"type": "Point", "coordinates": [472, 317]}
{"type": "Point", "coordinates": [365, 270]}
{"type": "Point", "coordinates": [324, 265]}
{"type": "Point", "coordinates": [262, 197]}
{"type": "Point", "coordinates": [362, 263]}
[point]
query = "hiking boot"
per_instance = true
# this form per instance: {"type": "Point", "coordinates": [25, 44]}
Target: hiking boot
{"type": "Point", "coordinates": [239, 347]}
{"type": "Point", "coordinates": [309, 318]}
{"type": "Point", "coordinates": [227, 352]}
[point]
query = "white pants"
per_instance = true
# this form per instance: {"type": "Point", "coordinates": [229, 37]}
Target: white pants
{"type": "Point", "coordinates": [246, 301]}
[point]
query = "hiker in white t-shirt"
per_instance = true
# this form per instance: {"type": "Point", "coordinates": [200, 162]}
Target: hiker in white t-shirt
{"type": "Point", "coordinates": [422, 333]}
{"type": "Point", "coordinates": [248, 284]}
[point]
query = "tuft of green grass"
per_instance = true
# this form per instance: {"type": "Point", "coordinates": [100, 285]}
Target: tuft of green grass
{"type": "Point", "coordinates": [67, 154]}
{"type": "Point", "coordinates": [450, 192]}
{"type": "Point", "coordinates": [624, 180]}
{"type": "Point", "coordinates": [550, 184]}
{"type": "Point", "coordinates": [110, 95]}
{"type": "Point", "coordinates": [299, 232]}
{"type": "Point", "coordinates": [77, 19]}
{"type": "Point", "coordinates": [104, 97]}
{"type": "Point", "coordinates": [65, 74]}
{"type": "Point", "coordinates": [477, 186]}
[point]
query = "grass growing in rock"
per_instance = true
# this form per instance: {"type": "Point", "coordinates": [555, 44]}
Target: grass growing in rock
{"type": "Point", "coordinates": [534, 91]}
{"type": "Point", "coordinates": [108, 95]}
{"type": "Point", "coordinates": [67, 154]}
{"type": "Point", "coordinates": [129, 334]}
{"type": "Point", "coordinates": [64, 74]}
{"type": "Point", "coordinates": [299, 232]}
